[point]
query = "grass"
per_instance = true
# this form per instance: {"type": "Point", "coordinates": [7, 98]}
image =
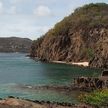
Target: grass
{"type": "Point", "coordinates": [97, 98]}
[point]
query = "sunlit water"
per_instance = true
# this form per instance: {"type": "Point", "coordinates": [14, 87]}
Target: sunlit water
{"type": "Point", "coordinates": [17, 69]}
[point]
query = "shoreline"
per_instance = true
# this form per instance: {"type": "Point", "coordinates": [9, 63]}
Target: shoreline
{"type": "Point", "coordinates": [12, 102]}
{"type": "Point", "coordinates": [16, 102]}
{"type": "Point", "coordinates": [83, 64]}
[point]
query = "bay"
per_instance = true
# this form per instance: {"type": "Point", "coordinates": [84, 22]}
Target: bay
{"type": "Point", "coordinates": [17, 69]}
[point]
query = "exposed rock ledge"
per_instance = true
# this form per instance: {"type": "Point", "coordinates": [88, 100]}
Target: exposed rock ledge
{"type": "Point", "coordinates": [19, 103]}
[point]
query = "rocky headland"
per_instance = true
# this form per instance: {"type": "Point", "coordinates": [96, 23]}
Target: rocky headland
{"type": "Point", "coordinates": [79, 37]}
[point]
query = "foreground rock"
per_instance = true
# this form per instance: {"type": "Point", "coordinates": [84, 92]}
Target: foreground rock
{"type": "Point", "coordinates": [80, 37]}
{"type": "Point", "coordinates": [18, 103]}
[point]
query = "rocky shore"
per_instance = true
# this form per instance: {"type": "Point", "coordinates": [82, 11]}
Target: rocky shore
{"type": "Point", "coordinates": [20, 103]}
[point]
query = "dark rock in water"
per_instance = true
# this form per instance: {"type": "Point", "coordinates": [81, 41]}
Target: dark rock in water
{"type": "Point", "coordinates": [15, 44]}
{"type": "Point", "coordinates": [44, 60]}
{"type": "Point", "coordinates": [11, 97]}
{"type": "Point", "coordinates": [82, 36]}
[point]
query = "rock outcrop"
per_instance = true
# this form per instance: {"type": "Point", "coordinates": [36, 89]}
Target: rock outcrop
{"type": "Point", "coordinates": [19, 103]}
{"type": "Point", "coordinates": [82, 36]}
{"type": "Point", "coordinates": [15, 44]}
{"type": "Point", "coordinates": [100, 58]}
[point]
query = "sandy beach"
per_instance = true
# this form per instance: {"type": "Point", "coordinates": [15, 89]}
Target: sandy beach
{"type": "Point", "coordinates": [85, 64]}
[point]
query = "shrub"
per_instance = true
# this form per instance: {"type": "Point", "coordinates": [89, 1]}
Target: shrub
{"type": "Point", "coordinates": [97, 98]}
{"type": "Point", "coordinates": [90, 53]}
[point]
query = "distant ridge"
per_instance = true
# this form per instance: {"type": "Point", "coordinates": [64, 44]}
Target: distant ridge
{"type": "Point", "coordinates": [80, 37]}
{"type": "Point", "coordinates": [15, 44]}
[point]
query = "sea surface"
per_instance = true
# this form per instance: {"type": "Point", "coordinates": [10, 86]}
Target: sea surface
{"type": "Point", "coordinates": [19, 73]}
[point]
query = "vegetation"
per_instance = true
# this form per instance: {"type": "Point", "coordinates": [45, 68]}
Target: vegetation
{"type": "Point", "coordinates": [98, 98]}
{"type": "Point", "coordinates": [15, 44]}
{"type": "Point", "coordinates": [90, 53]}
{"type": "Point", "coordinates": [92, 15]}
{"type": "Point", "coordinates": [72, 38]}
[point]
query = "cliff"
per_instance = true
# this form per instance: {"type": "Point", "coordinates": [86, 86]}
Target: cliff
{"type": "Point", "coordinates": [82, 36]}
{"type": "Point", "coordinates": [15, 44]}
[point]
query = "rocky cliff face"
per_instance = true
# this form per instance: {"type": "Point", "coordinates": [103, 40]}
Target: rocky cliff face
{"type": "Point", "coordinates": [82, 36]}
{"type": "Point", "coordinates": [100, 58]}
{"type": "Point", "coordinates": [14, 44]}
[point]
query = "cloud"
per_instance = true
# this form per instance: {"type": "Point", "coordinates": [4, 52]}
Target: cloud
{"type": "Point", "coordinates": [21, 26]}
{"type": "Point", "coordinates": [42, 11]}
{"type": "Point", "coordinates": [43, 29]}
{"type": "Point", "coordinates": [16, 1]}
{"type": "Point", "coordinates": [1, 7]}
{"type": "Point", "coordinates": [33, 18]}
{"type": "Point", "coordinates": [12, 10]}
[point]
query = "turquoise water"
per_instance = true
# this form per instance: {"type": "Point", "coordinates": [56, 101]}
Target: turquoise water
{"type": "Point", "coordinates": [17, 69]}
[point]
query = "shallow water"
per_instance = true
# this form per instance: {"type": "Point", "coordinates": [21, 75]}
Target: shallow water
{"type": "Point", "coordinates": [17, 69]}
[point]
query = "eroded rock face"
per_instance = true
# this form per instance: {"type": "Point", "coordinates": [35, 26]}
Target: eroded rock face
{"type": "Point", "coordinates": [75, 47]}
{"type": "Point", "coordinates": [100, 58]}
{"type": "Point", "coordinates": [80, 37]}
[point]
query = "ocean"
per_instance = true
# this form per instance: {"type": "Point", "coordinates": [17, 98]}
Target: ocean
{"type": "Point", "coordinates": [18, 74]}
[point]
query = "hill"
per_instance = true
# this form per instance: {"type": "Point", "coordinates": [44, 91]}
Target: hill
{"type": "Point", "coordinates": [82, 36]}
{"type": "Point", "coordinates": [15, 44]}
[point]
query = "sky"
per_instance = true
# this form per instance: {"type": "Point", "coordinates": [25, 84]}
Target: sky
{"type": "Point", "coordinates": [32, 18]}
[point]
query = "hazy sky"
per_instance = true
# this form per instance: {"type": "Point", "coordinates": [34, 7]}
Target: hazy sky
{"type": "Point", "coordinates": [32, 18]}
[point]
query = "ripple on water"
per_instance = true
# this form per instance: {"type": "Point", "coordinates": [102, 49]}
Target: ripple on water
{"type": "Point", "coordinates": [16, 69]}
